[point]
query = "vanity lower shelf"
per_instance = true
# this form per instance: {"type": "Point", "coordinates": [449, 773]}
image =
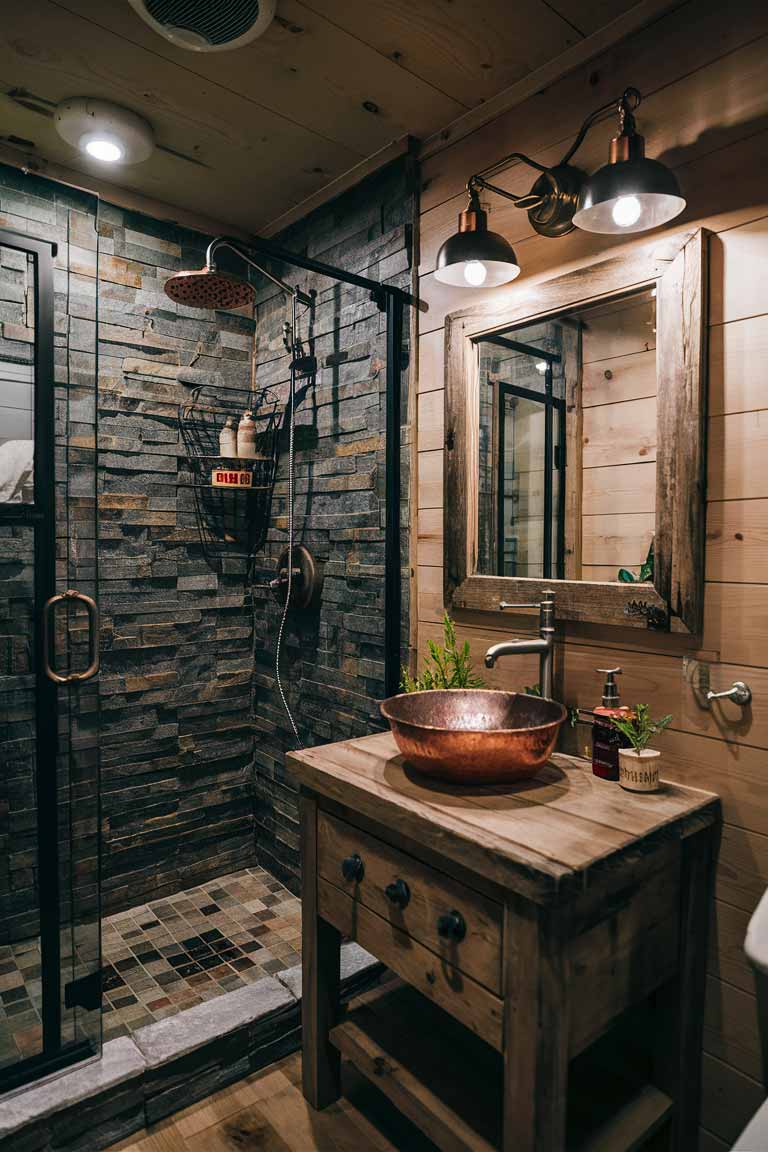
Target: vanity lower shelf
{"type": "Point", "coordinates": [448, 1082]}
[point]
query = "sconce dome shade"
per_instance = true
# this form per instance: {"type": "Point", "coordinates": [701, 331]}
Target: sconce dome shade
{"type": "Point", "coordinates": [646, 189]}
{"type": "Point", "coordinates": [490, 257]}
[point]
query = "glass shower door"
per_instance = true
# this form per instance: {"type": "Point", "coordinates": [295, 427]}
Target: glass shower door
{"type": "Point", "coordinates": [50, 984]}
{"type": "Point", "coordinates": [531, 469]}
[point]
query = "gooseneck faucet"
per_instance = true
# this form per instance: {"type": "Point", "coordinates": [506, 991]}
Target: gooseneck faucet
{"type": "Point", "coordinates": [544, 645]}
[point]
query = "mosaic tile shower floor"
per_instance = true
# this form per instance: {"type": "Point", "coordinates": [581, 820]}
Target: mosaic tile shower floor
{"type": "Point", "coordinates": [162, 957]}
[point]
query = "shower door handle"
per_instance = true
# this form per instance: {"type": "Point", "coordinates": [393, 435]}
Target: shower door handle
{"type": "Point", "coordinates": [93, 638]}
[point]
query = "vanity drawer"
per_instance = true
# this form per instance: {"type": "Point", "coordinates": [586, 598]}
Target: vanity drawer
{"type": "Point", "coordinates": [458, 924]}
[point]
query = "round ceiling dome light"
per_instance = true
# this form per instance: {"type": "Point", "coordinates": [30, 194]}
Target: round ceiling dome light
{"type": "Point", "coordinates": [104, 131]}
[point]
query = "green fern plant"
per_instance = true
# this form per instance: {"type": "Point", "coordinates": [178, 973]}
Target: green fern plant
{"type": "Point", "coordinates": [447, 666]}
{"type": "Point", "coordinates": [640, 729]}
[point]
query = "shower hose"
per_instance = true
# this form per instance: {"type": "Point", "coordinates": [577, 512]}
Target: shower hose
{"type": "Point", "coordinates": [291, 464]}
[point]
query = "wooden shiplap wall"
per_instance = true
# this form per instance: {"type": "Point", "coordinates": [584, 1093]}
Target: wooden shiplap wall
{"type": "Point", "coordinates": [702, 72]}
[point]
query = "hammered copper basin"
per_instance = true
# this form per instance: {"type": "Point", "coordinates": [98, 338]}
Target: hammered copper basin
{"type": "Point", "coordinates": [474, 736]}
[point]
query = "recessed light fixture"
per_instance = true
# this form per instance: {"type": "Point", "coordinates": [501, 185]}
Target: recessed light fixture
{"type": "Point", "coordinates": [105, 131]}
{"type": "Point", "coordinates": [631, 193]}
{"type": "Point", "coordinates": [102, 149]}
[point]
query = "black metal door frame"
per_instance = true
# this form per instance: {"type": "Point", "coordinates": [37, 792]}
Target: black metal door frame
{"type": "Point", "coordinates": [40, 516]}
{"type": "Point", "coordinates": [552, 460]}
{"type": "Point", "coordinates": [392, 302]}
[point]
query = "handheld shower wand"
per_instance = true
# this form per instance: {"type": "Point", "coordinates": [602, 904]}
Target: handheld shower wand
{"type": "Point", "coordinates": [289, 583]}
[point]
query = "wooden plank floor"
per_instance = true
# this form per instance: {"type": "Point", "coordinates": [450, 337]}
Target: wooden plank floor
{"type": "Point", "coordinates": [267, 1112]}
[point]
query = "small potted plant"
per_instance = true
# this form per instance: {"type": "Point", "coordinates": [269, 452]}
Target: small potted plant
{"type": "Point", "coordinates": [639, 764]}
{"type": "Point", "coordinates": [448, 665]}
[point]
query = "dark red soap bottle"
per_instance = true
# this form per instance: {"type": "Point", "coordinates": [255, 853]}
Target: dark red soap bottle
{"type": "Point", "coordinates": [606, 739]}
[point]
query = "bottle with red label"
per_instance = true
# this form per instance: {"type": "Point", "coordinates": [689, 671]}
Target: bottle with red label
{"type": "Point", "coordinates": [606, 738]}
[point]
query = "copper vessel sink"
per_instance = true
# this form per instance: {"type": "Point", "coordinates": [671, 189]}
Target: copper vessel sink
{"type": "Point", "coordinates": [474, 736]}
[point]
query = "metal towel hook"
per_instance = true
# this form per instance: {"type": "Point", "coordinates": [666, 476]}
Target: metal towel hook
{"type": "Point", "coordinates": [739, 692]}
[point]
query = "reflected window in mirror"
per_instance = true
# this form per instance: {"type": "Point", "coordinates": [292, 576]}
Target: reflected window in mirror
{"type": "Point", "coordinates": [567, 444]}
{"type": "Point", "coordinates": [17, 377]}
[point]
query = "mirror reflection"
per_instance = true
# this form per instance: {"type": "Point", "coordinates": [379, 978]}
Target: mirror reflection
{"type": "Point", "coordinates": [567, 444]}
{"type": "Point", "coordinates": [17, 376]}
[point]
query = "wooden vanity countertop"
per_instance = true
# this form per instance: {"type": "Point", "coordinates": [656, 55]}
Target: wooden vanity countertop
{"type": "Point", "coordinates": [543, 837]}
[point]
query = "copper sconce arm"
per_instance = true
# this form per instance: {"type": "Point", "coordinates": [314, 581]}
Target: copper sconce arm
{"type": "Point", "coordinates": [631, 193]}
{"type": "Point", "coordinates": [552, 201]}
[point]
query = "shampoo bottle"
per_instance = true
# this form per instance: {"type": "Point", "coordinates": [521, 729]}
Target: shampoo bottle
{"type": "Point", "coordinates": [246, 437]}
{"type": "Point", "coordinates": [228, 438]}
{"type": "Point", "coordinates": [606, 739]}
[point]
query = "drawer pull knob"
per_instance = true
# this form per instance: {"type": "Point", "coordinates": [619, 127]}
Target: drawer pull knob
{"type": "Point", "coordinates": [352, 868]}
{"type": "Point", "coordinates": [398, 893]}
{"type": "Point", "coordinates": [452, 926]}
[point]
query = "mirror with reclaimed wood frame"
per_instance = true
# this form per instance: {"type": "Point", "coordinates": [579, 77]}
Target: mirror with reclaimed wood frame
{"type": "Point", "coordinates": [575, 454]}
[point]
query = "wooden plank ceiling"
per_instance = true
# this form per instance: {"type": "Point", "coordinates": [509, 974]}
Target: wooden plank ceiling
{"type": "Point", "coordinates": [331, 83]}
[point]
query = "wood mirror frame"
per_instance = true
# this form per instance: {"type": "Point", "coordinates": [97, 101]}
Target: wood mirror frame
{"type": "Point", "coordinates": [678, 267]}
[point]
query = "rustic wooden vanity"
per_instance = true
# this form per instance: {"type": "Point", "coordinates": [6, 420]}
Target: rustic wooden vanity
{"type": "Point", "coordinates": [555, 935]}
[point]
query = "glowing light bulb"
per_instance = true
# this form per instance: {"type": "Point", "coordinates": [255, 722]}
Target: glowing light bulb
{"type": "Point", "coordinates": [627, 211]}
{"type": "Point", "coordinates": [475, 273]}
{"type": "Point", "coordinates": [541, 366]}
{"type": "Point", "coordinates": [104, 150]}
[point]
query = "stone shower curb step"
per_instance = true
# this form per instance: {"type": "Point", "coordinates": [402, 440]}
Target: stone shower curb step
{"type": "Point", "coordinates": [169, 1064]}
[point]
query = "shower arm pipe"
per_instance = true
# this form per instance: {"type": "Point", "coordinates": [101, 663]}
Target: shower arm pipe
{"type": "Point", "coordinates": [258, 247]}
{"type": "Point", "coordinates": [241, 251]}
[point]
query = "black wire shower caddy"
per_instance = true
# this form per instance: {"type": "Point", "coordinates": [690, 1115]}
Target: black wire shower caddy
{"type": "Point", "coordinates": [232, 494]}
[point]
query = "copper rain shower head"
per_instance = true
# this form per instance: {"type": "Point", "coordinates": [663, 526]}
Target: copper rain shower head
{"type": "Point", "coordinates": [209, 288]}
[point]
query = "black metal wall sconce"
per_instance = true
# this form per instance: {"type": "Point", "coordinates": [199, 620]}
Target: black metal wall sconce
{"type": "Point", "coordinates": [631, 193]}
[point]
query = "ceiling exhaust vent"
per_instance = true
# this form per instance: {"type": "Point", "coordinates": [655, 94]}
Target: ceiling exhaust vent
{"type": "Point", "coordinates": [200, 26]}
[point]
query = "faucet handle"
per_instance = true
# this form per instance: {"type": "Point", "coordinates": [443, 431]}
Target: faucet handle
{"type": "Point", "coordinates": [547, 597]}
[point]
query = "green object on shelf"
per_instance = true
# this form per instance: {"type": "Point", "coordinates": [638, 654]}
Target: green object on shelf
{"type": "Point", "coordinates": [646, 571]}
{"type": "Point", "coordinates": [639, 728]}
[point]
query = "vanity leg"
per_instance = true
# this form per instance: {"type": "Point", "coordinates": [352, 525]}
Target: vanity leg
{"type": "Point", "coordinates": [320, 960]}
{"type": "Point", "coordinates": [536, 1022]}
{"type": "Point", "coordinates": [679, 1005]}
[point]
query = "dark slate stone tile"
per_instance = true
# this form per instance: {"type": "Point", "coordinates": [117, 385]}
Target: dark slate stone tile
{"type": "Point", "coordinates": [211, 934]}
{"type": "Point", "coordinates": [125, 965]}
{"type": "Point", "coordinates": [148, 956]}
{"type": "Point", "coordinates": [189, 969]}
{"type": "Point", "coordinates": [14, 994]}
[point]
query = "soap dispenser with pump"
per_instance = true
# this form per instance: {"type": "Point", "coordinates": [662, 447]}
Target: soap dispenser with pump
{"type": "Point", "coordinates": [606, 738]}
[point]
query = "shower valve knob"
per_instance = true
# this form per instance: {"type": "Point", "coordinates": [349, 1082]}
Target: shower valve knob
{"type": "Point", "coordinates": [352, 868]}
{"type": "Point", "coordinates": [281, 579]}
{"type": "Point", "coordinates": [305, 579]}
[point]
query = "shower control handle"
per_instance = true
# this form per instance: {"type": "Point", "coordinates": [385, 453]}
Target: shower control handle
{"type": "Point", "coordinates": [398, 893]}
{"type": "Point", "coordinates": [281, 580]}
{"type": "Point", "coordinates": [352, 868]}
